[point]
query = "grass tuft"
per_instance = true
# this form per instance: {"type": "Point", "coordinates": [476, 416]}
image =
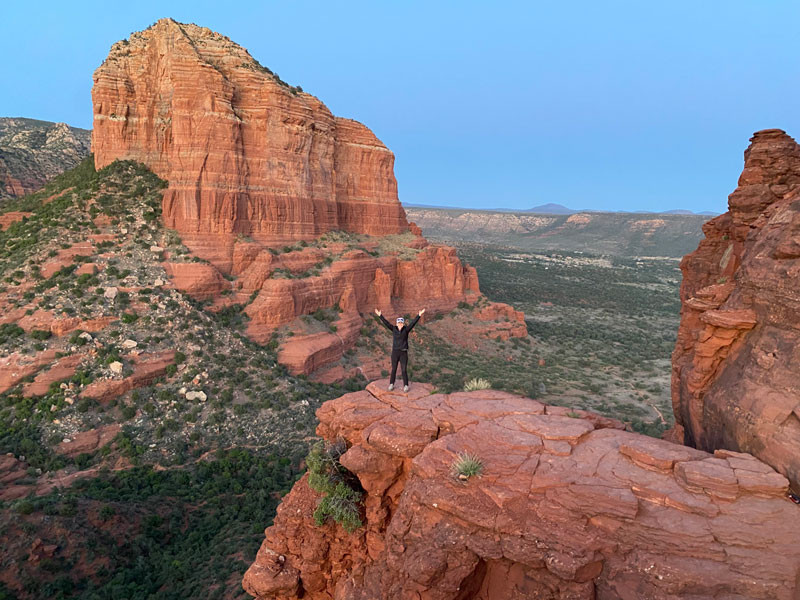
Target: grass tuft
{"type": "Point", "coordinates": [477, 383]}
{"type": "Point", "coordinates": [467, 465]}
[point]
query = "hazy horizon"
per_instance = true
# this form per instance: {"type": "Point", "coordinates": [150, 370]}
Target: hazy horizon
{"type": "Point", "coordinates": [615, 107]}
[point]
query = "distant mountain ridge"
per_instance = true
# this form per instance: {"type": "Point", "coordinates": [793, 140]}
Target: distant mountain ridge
{"type": "Point", "coordinates": [607, 233]}
{"type": "Point", "coordinates": [552, 208]}
{"type": "Point", "coordinates": [32, 152]}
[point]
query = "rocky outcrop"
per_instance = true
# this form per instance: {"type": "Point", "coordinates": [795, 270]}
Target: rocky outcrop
{"type": "Point", "coordinates": [243, 152]}
{"type": "Point", "coordinates": [435, 280]}
{"type": "Point", "coordinates": [200, 280]}
{"type": "Point", "coordinates": [9, 218]}
{"type": "Point", "coordinates": [33, 152]}
{"type": "Point", "coordinates": [146, 369]}
{"type": "Point", "coordinates": [567, 507]}
{"type": "Point", "coordinates": [16, 367]}
{"type": "Point", "coordinates": [735, 363]}
{"type": "Point", "coordinates": [88, 441]}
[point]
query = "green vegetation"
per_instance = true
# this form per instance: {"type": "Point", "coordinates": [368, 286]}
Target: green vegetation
{"type": "Point", "coordinates": [602, 331]}
{"type": "Point", "coordinates": [174, 534]}
{"type": "Point", "coordinates": [467, 465]}
{"type": "Point", "coordinates": [343, 494]}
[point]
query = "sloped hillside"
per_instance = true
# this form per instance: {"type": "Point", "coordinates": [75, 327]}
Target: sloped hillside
{"type": "Point", "coordinates": [33, 152]}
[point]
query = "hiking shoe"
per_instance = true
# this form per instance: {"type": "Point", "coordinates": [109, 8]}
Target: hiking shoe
{"type": "Point", "coordinates": [405, 388]}
{"type": "Point", "coordinates": [391, 387]}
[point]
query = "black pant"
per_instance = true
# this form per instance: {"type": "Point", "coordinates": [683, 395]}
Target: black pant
{"type": "Point", "coordinates": [400, 356]}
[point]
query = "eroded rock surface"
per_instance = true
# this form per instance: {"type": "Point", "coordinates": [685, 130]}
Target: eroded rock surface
{"type": "Point", "coordinates": [735, 364]}
{"type": "Point", "coordinates": [568, 507]}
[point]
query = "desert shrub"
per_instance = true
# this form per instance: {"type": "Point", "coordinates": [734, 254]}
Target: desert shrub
{"type": "Point", "coordinates": [467, 465]}
{"type": "Point", "coordinates": [342, 492]}
{"type": "Point", "coordinates": [343, 505]}
{"type": "Point", "coordinates": [477, 383]}
{"type": "Point", "coordinates": [9, 331]}
{"type": "Point", "coordinates": [129, 317]}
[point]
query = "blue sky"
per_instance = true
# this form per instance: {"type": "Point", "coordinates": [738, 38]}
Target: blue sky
{"type": "Point", "coordinates": [602, 105]}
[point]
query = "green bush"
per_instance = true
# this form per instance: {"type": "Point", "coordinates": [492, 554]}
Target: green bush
{"type": "Point", "coordinates": [342, 492]}
{"type": "Point", "coordinates": [343, 505]}
{"type": "Point", "coordinates": [129, 318]}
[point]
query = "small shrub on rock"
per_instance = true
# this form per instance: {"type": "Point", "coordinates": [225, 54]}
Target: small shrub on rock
{"type": "Point", "coordinates": [342, 492]}
{"type": "Point", "coordinates": [467, 465]}
{"type": "Point", "coordinates": [478, 383]}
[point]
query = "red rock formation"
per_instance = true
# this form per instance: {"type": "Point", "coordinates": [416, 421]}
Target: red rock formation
{"type": "Point", "coordinates": [253, 163]}
{"type": "Point", "coordinates": [243, 152]}
{"type": "Point", "coordinates": [88, 441]}
{"type": "Point", "coordinates": [62, 369]}
{"type": "Point", "coordinates": [67, 325]}
{"type": "Point", "coordinates": [199, 280]}
{"type": "Point", "coordinates": [735, 364]}
{"type": "Point", "coordinates": [436, 280]}
{"type": "Point", "coordinates": [146, 369]}
{"type": "Point", "coordinates": [565, 508]}
{"type": "Point", "coordinates": [9, 218]}
{"type": "Point", "coordinates": [16, 367]}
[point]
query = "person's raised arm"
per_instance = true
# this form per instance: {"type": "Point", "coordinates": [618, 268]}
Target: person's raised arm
{"type": "Point", "coordinates": [383, 320]}
{"type": "Point", "coordinates": [416, 319]}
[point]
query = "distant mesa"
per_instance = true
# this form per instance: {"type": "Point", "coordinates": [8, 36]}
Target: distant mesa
{"type": "Point", "coordinates": [551, 208]}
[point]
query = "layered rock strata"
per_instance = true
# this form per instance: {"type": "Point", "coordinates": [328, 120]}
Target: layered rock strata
{"type": "Point", "coordinates": [244, 153]}
{"type": "Point", "coordinates": [570, 505]}
{"type": "Point", "coordinates": [736, 360]}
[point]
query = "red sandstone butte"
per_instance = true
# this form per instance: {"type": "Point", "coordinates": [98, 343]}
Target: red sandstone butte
{"type": "Point", "coordinates": [243, 152]}
{"type": "Point", "coordinates": [566, 508]}
{"type": "Point", "coordinates": [735, 365]}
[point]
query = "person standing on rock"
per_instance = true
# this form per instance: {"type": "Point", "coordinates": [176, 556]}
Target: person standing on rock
{"type": "Point", "coordinates": [399, 345]}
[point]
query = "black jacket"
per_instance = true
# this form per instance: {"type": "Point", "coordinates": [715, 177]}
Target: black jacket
{"type": "Point", "coordinates": [399, 336]}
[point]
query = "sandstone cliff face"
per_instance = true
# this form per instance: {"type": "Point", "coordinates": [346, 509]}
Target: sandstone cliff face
{"type": "Point", "coordinates": [735, 364]}
{"type": "Point", "coordinates": [252, 164]}
{"type": "Point", "coordinates": [243, 152]}
{"type": "Point", "coordinates": [567, 507]}
{"type": "Point", "coordinates": [33, 152]}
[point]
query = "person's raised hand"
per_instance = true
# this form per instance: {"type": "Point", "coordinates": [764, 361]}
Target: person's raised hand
{"type": "Point", "coordinates": [421, 312]}
{"type": "Point", "coordinates": [377, 312]}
